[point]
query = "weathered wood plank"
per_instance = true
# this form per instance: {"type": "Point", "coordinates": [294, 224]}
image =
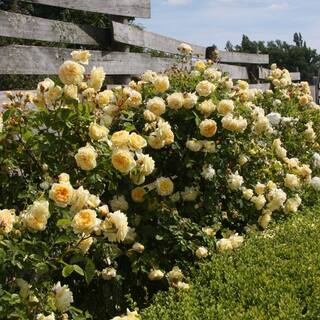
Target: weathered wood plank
{"type": "Point", "coordinates": [240, 57]}
{"type": "Point", "coordinates": [132, 35]}
{"type": "Point", "coordinates": [264, 74]}
{"type": "Point", "coordinates": [128, 8]}
{"type": "Point", "coordinates": [261, 86]}
{"type": "Point", "coordinates": [28, 27]}
{"type": "Point", "coordinates": [235, 72]}
{"type": "Point", "coordinates": [16, 59]}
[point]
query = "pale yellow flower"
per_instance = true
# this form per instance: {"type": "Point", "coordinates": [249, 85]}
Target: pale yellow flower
{"type": "Point", "coordinates": [208, 128]}
{"type": "Point", "coordinates": [190, 100]}
{"type": "Point", "coordinates": [97, 77]}
{"type": "Point", "coordinates": [97, 132]}
{"type": "Point", "coordinates": [137, 194]}
{"type": "Point", "coordinates": [136, 142]}
{"type": "Point", "coordinates": [84, 221]}
{"type": "Point", "coordinates": [71, 72]}
{"type": "Point", "coordinates": [157, 106]}
{"type": "Point", "coordinates": [185, 48]}
{"type": "Point", "coordinates": [206, 107]}
{"type": "Point", "coordinates": [7, 218]}
{"type": "Point", "coordinates": [85, 244]}
{"type": "Point", "coordinates": [146, 164]}
{"type": "Point", "coordinates": [71, 91]}
{"type": "Point", "coordinates": [105, 97]}
{"type": "Point", "coordinates": [86, 158]}
{"type": "Point", "coordinates": [138, 247]}
{"type": "Point", "coordinates": [115, 227]}
{"type": "Point", "coordinates": [225, 106]}
{"type": "Point", "coordinates": [201, 252]}
{"type": "Point", "coordinates": [205, 88]}
{"type": "Point", "coordinates": [81, 56]}
{"type": "Point", "coordinates": [155, 275]}
{"type": "Point", "coordinates": [63, 297]}
{"type": "Point", "coordinates": [164, 186]}
{"type": "Point", "coordinates": [120, 138]}
{"type": "Point", "coordinates": [123, 160]}
{"type": "Point", "coordinates": [61, 194]}
{"type": "Point", "coordinates": [175, 100]}
{"type": "Point", "coordinates": [161, 84]}
{"type": "Point", "coordinates": [200, 65]}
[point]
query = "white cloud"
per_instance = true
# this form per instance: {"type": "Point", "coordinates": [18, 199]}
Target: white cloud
{"type": "Point", "coordinates": [178, 2]}
{"type": "Point", "coordinates": [278, 6]}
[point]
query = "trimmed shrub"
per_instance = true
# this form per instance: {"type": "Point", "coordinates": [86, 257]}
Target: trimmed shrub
{"type": "Point", "coordinates": [275, 275]}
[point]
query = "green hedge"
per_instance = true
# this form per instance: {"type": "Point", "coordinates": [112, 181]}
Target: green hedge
{"type": "Point", "coordinates": [275, 275]}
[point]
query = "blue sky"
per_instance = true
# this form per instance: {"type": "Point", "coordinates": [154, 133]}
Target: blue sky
{"type": "Point", "coordinates": [205, 22]}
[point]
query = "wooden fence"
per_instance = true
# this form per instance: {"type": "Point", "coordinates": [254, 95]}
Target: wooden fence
{"type": "Point", "coordinates": [117, 60]}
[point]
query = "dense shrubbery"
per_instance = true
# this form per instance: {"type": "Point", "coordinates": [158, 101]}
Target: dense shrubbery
{"type": "Point", "coordinates": [275, 275]}
{"type": "Point", "coordinates": [118, 193]}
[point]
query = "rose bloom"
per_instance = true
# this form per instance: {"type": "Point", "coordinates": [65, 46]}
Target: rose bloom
{"type": "Point", "coordinates": [84, 221]}
{"type": "Point", "coordinates": [53, 94]}
{"type": "Point", "coordinates": [224, 245]}
{"type": "Point", "coordinates": [291, 181]}
{"type": "Point", "coordinates": [149, 116]}
{"type": "Point", "coordinates": [156, 142]}
{"type": "Point", "coordinates": [200, 65]}
{"type": "Point", "coordinates": [79, 199]}
{"type": "Point", "coordinates": [157, 106]}
{"type": "Point", "coordinates": [236, 241]}
{"type": "Point", "coordinates": [115, 227]}
{"type": "Point", "coordinates": [89, 94]}
{"type": "Point", "coordinates": [119, 203]}
{"type": "Point", "coordinates": [146, 164]}
{"type": "Point", "coordinates": [235, 181]}
{"type": "Point", "coordinates": [137, 194]}
{"type": "Point", "coordinates": [190, 99]}
{"type": "Point", "coordinates": [7, 218]}
{"type": "Point", "coordinates": [175, 100]}
{"type": "Point", "coordinates": [164, 186]}
{"type": "Point", "coordinates": [149, 76]}
{"type": "Point", "coordinates": [85, 244]}
{"type": "Point", "coordinates": [208, 128]}
{"type": "Point", "coordinates": [103, 98]}
{"type": "Point", "coordinates": [108, 273]}
{"type": "Point", "coordinates": [247, 193]}
{"type": "Point", "coordinates": [86, 158]}
{"type": "Point", "coordinates": [315, 183]}
{"type": "Point", "coordinates": [97, 77]}
{"type": "Point", "coordinates": [292, 204]}
{"type": "Point", "coordinates": [161, 84]}
{"type": "Point", "coordinates": [155, 275]}
{"type": "Point", "coordinates": [120, 138]}
{"type": "Point", "coordinates": [61, 194]}
{"type": "Point", "coordinates": [201, 252]}
{"type": "Point", "coordinates": [225, 106]}
{"type": "Point", "coordinates": [63, 177]}
{"type": "Point", "coordinates": [36, 216]}
{"type": "Point", "coordinates": [206, 107]}
{"type": "Point", "coordinates": [135, 99]}
{"type": "Point", "coordinates": [97, 132]}
{"type": "Point", "coordinates": [194, 145]}
{"type": "Point", "coordinates": [81, 56]}
{"type": "Point", "coordinates": [259, 201]}
{"type": "Point", "coordinates": [190, 194]}
{"type": "Point", "coordinates": [138, 247]}
{"type": "Point", "coordinates": [213, 74]}
{"type": "Point", "coordinates": [243, 85]}
{"type": "Point", "coordinates": [233, 124]}
{"type": "Point", "coordinates": [260, 188]}
{"type": "Point", "coordinates": [136, 142]}
{"type": "Point", "coordinates": [63, 297]}
{"type": "Point", "coordinates": [45, 85]}
{"type": "Point", "coordinates": [71, 72]}
{"type": "Point", "coordinates": [71, 91]}
{"type": "Point", "coordinates": [208, 146]}
{"type": "Point", "coordinates": [265, 219]}
{"type": "Point", "coordinates": [205, 88]}
{"type": "Point", "coordinates": [185, 48]}
{"type": "Point", "coordinates": [122, 160]}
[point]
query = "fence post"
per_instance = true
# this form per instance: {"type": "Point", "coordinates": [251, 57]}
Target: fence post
{"type": "Point", "coordinates": [120, 47]}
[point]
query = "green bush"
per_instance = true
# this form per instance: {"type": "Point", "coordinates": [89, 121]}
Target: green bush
{"type": "Point", "coordinates": [275, 275]}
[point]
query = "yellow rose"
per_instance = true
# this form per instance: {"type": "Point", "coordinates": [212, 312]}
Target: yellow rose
{"type": "Point", "coordinates": [61, 194]}
{"type": "Point", "coordinates": [225, 106]}
{"type": "Point", "coordinates": [135, 99]}
{"type": "Point", "coordinates": [205, 88]}
{"type": "Point", "coordinates": [86, 158]}
{"type": "Point", "coordinates": [156, 142]}
{"type": "Point", "coordinates": [146, 164]}
{"type": "Point", "coordinates": [164, 186]}
{"type": "Point", "coordinates": [85, 244]}
{"type": "Point", "coordinates": [7, 218]}
{"type": "Point", "coordinates": [120, 139]}
{"type": "Point", "coordinates": [71, 72]}
{"type": "Point", "coordinates": [84, 221]}
{"type": "Point", "coordinates": [175, 100]}
{"type": "Point", "coordinates": [97, 77]}
{"type": "Point", "coordinates": [71, 91]}
{"type": "Point", "coordinates": [137, 194]}
{"type": "Point", "coordinates": [122, 160]}
{"type": "Point", "coordinates": [243, 85]}
{"type": "Point", "coordinates": [79, 199]}
{"type": "Point", "coordinates": [201, 252]}
{"type": "Point", "coordinates": [206, 107]}
{"type": "Point", "coordinates": [155, 275]}
{"type": "Point", "coordinates": [208, 128]}
{"type": "Point", "coordinates": [303, 100]}
{"type": "Point", "coordinates": [136, 142]}
{"type": "Point", "coordinates": [161, 84]}
{"type": "Point", "coordinates": [149, 116]}
{"type": "Point", "coordinates": [200, 65]}
{"type": "Point", "coordinates": [36, 217]}
{"type": "Point", "coordinates": [157, 106]}
{"type": "Point", "coordinates": [81, 56]}
{"type": "Point", "coordinates": [103, 98]}
{"type": "Point", "coordinates": [115, 227]}
{"type": "Point", "coordinates": [190, 99]}
{"type": "Point", "coordinates": [97, 132]}
{"type": "Point", "coordinates": [53, 94]}
{"type": "Point", "coordinates": [185, 48]}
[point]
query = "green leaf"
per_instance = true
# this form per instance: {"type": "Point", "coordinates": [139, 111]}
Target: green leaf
{"type": "Point", "coordinates": [67, 270]}
{"type": "Point", "coordinates": [90, 269]}
{"type": "Point", "coordinates": [63, 222]}
{"type": "Point", "coordinates": [78, 269]}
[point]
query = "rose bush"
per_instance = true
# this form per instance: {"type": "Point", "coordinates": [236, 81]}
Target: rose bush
{"type": "Point", "coordinates": [108, 196]}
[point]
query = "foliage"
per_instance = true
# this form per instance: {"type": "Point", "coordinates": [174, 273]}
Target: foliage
{"type": "Point", "coordinates": [109, 196]}
{"type": "Point", "coordinates": [294, 57]}
{"type": "Point", "coordinates": [274, 276]}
